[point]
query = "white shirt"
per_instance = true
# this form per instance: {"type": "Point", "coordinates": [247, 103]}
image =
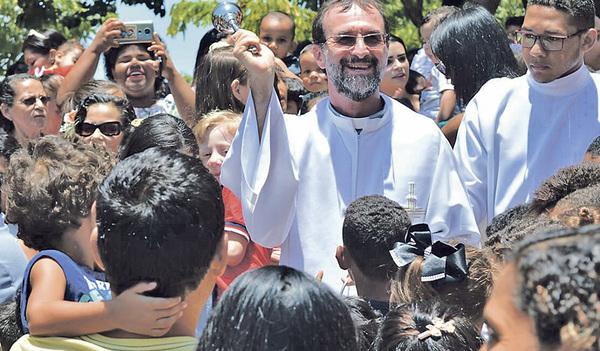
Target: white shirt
{"type": "Point", "coordinates": [296, 183]}
{"type": "Point", "coordinates": [518, 132]}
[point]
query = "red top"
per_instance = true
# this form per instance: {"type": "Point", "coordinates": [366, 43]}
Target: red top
{"type": "Point", "coordinates": [256, 255]}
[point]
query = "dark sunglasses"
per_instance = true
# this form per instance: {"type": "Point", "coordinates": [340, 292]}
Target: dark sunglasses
{"type": "Point", "coordinates": [107, 128]}
{"type": "Point", "coordinates": [32, 100]}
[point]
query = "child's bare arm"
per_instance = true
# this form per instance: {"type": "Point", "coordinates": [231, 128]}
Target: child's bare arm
{"type": "Point", "coordinates": [236, 249]}
{"type": "Point", "coordinates": [447, 103]}
{"type": "Point", "coordinates": [49, 315]}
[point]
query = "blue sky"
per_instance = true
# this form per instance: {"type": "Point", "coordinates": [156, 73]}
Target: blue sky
{"type": "Point", "coordinates": [182, 48]}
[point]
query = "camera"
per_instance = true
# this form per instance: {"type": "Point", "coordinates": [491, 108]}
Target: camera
{"type": "Point", "coordinates": [137, 32]}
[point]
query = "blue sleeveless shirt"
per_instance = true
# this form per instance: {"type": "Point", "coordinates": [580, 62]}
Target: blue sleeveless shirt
{"type": "Point", "coordinates": [83, 283]}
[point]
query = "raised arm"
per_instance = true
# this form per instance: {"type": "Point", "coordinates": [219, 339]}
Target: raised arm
{"type": "Point", "coordinates": [86, 66]}
{"type": "Point", "coordinates": [185, 98]}
{"type": "Point", "coordinates": [261, 69]}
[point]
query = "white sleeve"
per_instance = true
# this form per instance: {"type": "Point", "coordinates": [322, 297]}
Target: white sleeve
{"type": "Point", "coordinates": [471, 156]}
{"type": "Point", "coordinates": [449, 210]}
{"type": "Point", "coordinates": [262, 174]}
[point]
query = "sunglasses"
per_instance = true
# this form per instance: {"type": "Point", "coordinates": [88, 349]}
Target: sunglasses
{"type": "Point", "coordinates": [371, 40]}
{"type": "Point", "coordinates": [33, 99]}
{"type": "Point", "coordinates": [107, 128]}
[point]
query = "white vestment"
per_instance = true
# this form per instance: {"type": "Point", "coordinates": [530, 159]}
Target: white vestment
{"type": "Point", "coordinates": [296, 183]}
{"type": "Point", "coordinates": [518, 132]}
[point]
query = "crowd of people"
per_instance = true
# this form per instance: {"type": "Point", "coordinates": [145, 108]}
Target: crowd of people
{"type": "Point", "coordinates": [341, 194]}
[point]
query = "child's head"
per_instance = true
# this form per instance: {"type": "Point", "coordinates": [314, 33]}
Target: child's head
{"type": "Point", "coordinates": [592, 153]}
{"type": "Point", "coordinates": [161, 130]}
{"type": "Point", "coordinates": [295, 93]}
{"type": "Point", "coordinates": [430, 23]}
{"type": "Point", "coordinates": [51, 187]}
{"type": "Point", "coordinates": [279, 308]}
{"type": "Point", "coordinates": [546, 298]}
{"type": "Point", "coordinates": [214, 133]}
{"type": "Point", "coordinates": [469, 294]}
{"type": "Point", "coordinates": [51, 83]}
{"type": "Point", "coordinates": [565, 182]}
{"type": "Point", "coordinates": [408, 327]}
{"type": "Point", "coordinates": [277, 31]}
{"type": "Point", "coordinates": [313, 76]}
{"type": "Point", "coordinates": [68, 53]}
{"type": "Point", "coordinates": [160, 218]}
{"type": "Point", "coordinates": [372, 225]}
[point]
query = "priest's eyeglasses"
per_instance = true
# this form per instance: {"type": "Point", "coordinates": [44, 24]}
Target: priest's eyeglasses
{"type": "Point", "coordinates": [548, 42]}
{"type": "Point", "coordinates": [373, 40]}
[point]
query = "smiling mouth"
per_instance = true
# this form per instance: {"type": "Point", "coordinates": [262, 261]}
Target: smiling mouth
{"type": "Point", "coordinates": [136, 75]}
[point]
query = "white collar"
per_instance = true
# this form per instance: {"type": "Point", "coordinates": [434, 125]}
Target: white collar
{"type": "Point", "coordinates": [563, 86]}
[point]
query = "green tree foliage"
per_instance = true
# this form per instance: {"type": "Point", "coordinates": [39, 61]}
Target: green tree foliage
{"type": "Point", "coordinates": [74, 19]}
{"type": "Point", "coordinates": [199, 13]}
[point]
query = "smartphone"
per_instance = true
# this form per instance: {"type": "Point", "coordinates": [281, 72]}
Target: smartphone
{"type": "Point", "coordinates": [137, 32]}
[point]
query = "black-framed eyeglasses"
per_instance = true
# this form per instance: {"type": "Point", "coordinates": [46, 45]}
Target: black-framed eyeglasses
{"type": "Point", "coordinates": [372, 40]}
{"type": "Point", "coordinates": [33, 99]}
{"type": "Point", "coordinates": [548, 42]}
{"type": "Point", "coordinates": [441, 67]}
{"type": "Point", "coordinates": [107, 128]}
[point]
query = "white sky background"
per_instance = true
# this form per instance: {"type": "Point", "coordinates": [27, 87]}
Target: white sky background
{"type": "Point", "coordinates": [182, 48]}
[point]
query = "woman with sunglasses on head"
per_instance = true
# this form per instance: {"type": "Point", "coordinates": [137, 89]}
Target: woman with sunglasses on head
{"type": "Point", "coordinates": [23, 103]}
{"type": "Point", "coordinates": [104, 119]}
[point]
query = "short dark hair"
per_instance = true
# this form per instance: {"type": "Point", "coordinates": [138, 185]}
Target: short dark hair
{"type": "Point", "coordinates": [51, 186]}
{"type": "Point", "coordinates": [514, 21]}
{"type": "Point", "coordinates": [279, 308]}
{"type": "Point", "coordinates": [280, 15]}
{"type": "Point", "coordinates": [478, 60]}
{"type": "Point", "coordinates": [43, 41]}
{"type": "Point", "coordinates": [318, 33]}
{"type": "Point", "coordinates": [594, 148]}
{"type": "Point", "coordinates": [558, 282]}
{"type": "Point", "coordinates": [7, 96]}
{"type": "Point", "coordinates": [366, 320]}
{"type": "Point", "coordinates": [566, 181]}
{"type": "Point", "coordinates": [505, 240]}
{"type": "Point", "coordinates": [403, 324]}
{"type": "Point", "coordinates": [582, 12]}
{"type": "Point", "coordinates": [160, 218]}
{"type": "Point", "coordinates": [161, 130]}
{"type": "Point", "coordinates": [8, 144]}
{"type": "Point", "coordinates": [372, 225]}
{"type": "Point", "coordinates": [127, 114]}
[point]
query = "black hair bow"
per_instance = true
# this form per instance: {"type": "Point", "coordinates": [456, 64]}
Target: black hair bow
{"type": "Point", "coordinates": [443, 262]}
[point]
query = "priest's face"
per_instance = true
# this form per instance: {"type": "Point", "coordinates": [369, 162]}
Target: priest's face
{"type": "Point", "coordinates": [551, 24]}
{"type": "Point", "coordinates": [354, 70]}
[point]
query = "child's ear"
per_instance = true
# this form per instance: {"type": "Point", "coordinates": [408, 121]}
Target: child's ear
{"type": "Point", "coordinates": [293, 47]}
{"type": "Point", "coordinates": [340, 256]}
{"type": "Point", "coordinates": [95, 250]}
{"type": "Point", "coordinates": [235, 89]}
{"type": "Point", "coordinates": [52, 56]}
{"type": "Point", "coordinates": [219, 262]}
{"type": "Point", "coordinates": [58, 56]}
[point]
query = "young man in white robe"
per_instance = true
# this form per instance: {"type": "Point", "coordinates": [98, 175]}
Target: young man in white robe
{"type": "Point", "coordinates": [518, 132]}
{"type": "Point", "coordinates": [295, 176]}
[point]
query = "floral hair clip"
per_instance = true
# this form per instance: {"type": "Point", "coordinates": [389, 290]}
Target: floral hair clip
{"type": "Point", "coordinates": [136, 122]}
{"type": "Point", "coordinates": [436, 329]}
